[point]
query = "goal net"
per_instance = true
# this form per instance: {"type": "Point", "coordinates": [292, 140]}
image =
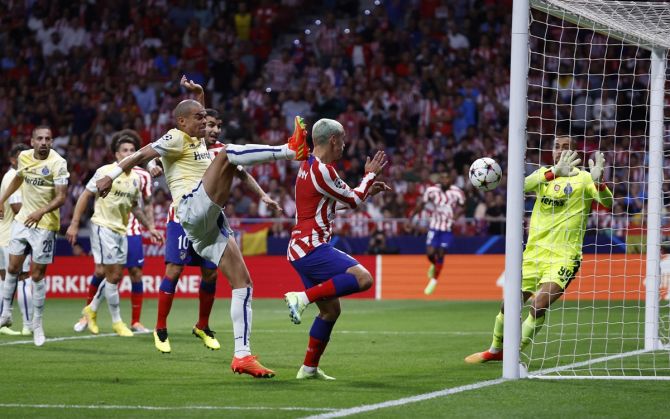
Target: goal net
{"type": "Point", "coordinates": [590, 78]}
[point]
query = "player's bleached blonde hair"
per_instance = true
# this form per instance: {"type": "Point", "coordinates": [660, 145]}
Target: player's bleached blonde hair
{"type": "Point", "coordinates": [325, 128]}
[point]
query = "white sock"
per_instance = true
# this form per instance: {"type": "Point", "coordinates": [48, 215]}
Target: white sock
{"type": "Point", "coordinates": [309, 369]}
{"type": "Point", "coordinates": [39, 295]}
{"type": "Point", "coordinates": [8, 289]}
{"type": "Point", "coordinates": [112, 295]}
{"type": "Point", "coordinates": [240, 314]}
{"type": "Point", "coordinates": [257, 153]}
{"type": "Point", "coordinates": [99, 294]}
{"type": "Point", "coordinates": [25, 297]}
{"type": "Point", "coordinates": [303, 296]}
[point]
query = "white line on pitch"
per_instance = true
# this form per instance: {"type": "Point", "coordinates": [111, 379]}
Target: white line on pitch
{"type": "Point", "coordinates": [121, 407]}
{"type": "Point", "coordinates": [300, 331]}
{"type": "Point", "coordinates": [61, 339]}
{"type": "Point", "coordinates": [406, 400]}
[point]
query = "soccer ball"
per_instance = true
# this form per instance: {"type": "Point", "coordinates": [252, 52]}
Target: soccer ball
{"type": "Point", "coordinates": [485, 174]}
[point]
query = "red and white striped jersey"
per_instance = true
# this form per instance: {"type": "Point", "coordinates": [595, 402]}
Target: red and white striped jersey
{"type": "Point", "coordinates": [318, 192]}
{"type": "Point", "coordinates": [215, 149]}
{"type": "Point", "coordinates": [441, 205]}
{"type": "Point", "coordinates": [134, 226]}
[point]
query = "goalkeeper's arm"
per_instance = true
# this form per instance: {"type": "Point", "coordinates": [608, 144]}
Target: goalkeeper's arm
{"type": "Point", "coordinates": [604, 196]}
{"type": "Point", "coordinates": [596, 168]}
{"type": "Point", "coordinates": [535, 179]}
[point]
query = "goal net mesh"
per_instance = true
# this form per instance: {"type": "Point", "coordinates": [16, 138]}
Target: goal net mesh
{"type": "Point", "coordinates": [589, 78]}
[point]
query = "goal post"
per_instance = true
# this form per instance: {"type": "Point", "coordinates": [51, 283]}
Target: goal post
{"type": "Point", "coordinates": [594, 70]}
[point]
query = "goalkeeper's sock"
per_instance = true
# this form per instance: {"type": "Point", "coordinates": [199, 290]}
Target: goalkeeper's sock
{"type": "Point", "coordinates": [529, 329]}
{"type": "Point", "coordinates": [497, 343]}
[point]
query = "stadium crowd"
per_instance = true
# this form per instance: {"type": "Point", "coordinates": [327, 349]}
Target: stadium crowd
{"type": "Point", "coordinates": [426, 80]}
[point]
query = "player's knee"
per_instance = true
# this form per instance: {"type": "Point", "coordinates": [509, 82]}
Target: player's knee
{"type": "Point", "coordinates": [173, 271]}
{"type": "Point", "coordinates": [331, 313]}
{"type": "Point", "coordinates": [364, 280]}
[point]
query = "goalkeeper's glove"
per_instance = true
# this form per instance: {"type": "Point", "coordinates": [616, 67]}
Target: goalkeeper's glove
{"type": "Point", "coordinates": [598, 167]}
{"type": "Point", "coordinates": [568, 161]}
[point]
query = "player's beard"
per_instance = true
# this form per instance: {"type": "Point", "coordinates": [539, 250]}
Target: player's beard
{"type": "Point", "coordinates": [43, 152]}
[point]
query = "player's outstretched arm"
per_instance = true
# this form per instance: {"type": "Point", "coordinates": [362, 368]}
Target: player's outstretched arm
{"type": "Point", "coordinates": [194, 88]}
{"type": "Point", "coordinates": [329, 183]}
{"type": "Point", "coordinates": [256, 188]}
{"type": "Point", "coordinates": [146, 153]}
{"type": "Point", "coordinates": [79, 208]}
{"type": "Point", "coordinates": [13, 186]}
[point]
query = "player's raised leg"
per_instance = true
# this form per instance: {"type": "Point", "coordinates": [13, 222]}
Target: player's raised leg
{"type": "Point", "coordinates": [352, 278]}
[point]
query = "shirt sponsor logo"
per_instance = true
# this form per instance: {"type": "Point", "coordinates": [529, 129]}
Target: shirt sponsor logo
{"type": "Point", "coordinates": [302, 174]}
{"type": "Point", "coordinates": [35, 181]}
{"type": "Point", "coordinates": [201, 156]}
{"type": "Point", "coordinates": [123, 194]}
{"type": "Point", "coordinates": [553, 202]}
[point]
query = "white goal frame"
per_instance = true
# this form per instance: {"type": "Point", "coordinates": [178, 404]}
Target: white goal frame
{"type": "Point", "coordinates": [616, 28]}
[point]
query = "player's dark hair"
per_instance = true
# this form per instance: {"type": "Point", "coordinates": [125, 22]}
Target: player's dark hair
{"type": "Point", "coordinates": [213, 113]}
{"type": "Point", "coordinates": [125, 136]}
{"type": "Point", "coordinates": [17, 149]}
{"type": "Point", "coordinates": [40, 127]}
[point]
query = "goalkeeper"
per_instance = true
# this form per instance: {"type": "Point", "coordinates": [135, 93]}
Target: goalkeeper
{"type": "Point", "coordinates": [554, 249]}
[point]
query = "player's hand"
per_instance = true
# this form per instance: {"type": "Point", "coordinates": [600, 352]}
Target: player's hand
{"type": "Point", "coordinates": [104, 185]}
{"type": "Point", "coordinates": [190, 85]}
{"type": "Point", "coordinates": [156, 171]}
{"type": "Point", "coordinates": [379, 187]}
{"type": "Point", "coordinates": [376, 164]}
{"type": "Point", "coordinates": [568, 161]}
{"type": "Point", "coordinates": [598, 167]}
{"type": "Point", "coordinates": [156, 236]}
{"type": "Point", "coordinates": [32, 220]}
{"type": "Point", "coordinates": [272, 204]}
{"type": "Point", "coordinates": [71, 233]}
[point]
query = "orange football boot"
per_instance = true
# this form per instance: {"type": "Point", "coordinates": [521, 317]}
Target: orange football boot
{"type": "Point", "coordinates": [250, 365]}
{"type": "Point", "coordinates": [298, 141]}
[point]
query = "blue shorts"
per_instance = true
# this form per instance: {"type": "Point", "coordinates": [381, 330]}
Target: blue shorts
{"type": "Point", "coordinates": [439, 238]}
{"type": "Point", "coordinates": [321, 264]}
{"type": "Point", "coordinates": [178, 248]}
{"type": "Point", "coordinates": [135, 252]}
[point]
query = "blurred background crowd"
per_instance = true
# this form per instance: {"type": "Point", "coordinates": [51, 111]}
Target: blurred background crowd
{"type": "Point", "coordinates": [425, 80]}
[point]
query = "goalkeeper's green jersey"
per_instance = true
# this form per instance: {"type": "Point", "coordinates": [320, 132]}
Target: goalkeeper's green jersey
{"type": "Point", "coordinates": [562, 206]}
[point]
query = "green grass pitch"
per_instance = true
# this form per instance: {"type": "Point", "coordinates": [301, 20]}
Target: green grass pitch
{"type": "Point", "coordinates": [379, 351]}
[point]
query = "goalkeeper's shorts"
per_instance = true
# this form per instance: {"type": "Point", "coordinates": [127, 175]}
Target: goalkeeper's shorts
{"type": "Point", "coordinates": [541, 267]}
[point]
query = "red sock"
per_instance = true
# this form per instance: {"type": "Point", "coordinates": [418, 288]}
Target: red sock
{"type": "Point", "coordinates": [136, 304]}
{"type": "Point", "coordinates": [322, 291]}
{"type": "Point", "coordinates": [92, 289]}
{"type": "Point", "coordinates": [315, 349]}
{"type": "Point", "coordinates": [206, 303]}
{"type": "Point", "coordinates": [164, 306]}
{"type": "Point", "coordinates": [438, 269]}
